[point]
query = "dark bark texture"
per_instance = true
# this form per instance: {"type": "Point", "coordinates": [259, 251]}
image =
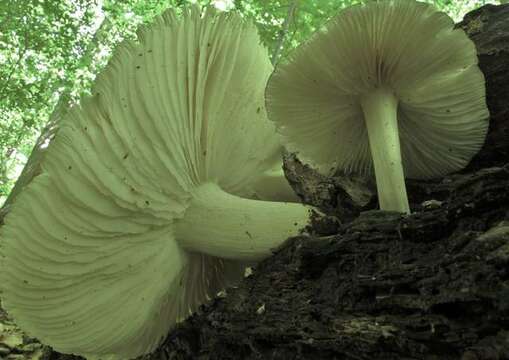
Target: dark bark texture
{"type": "Point", "coordinates": [488, 27]}
{"type": "Point", "coordinates": [380, 285]}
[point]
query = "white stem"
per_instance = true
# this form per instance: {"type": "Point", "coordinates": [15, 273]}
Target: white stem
{"type": "Point", "coordinates": [227, 226]}
{"type": "Point", "coordinates": [380, 109]}
{"type": "Point", "coordinates": [273, 186]}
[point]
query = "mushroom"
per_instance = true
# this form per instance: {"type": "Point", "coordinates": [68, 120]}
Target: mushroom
{"type": "Point", "coordinates": [389, 85]}
{"type": "Point", "coordinates": [136, 217]}
{"type": "Point", "coordinates": [272, 184]}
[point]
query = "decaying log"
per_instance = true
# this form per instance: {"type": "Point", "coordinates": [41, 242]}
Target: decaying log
{"type": "Point", "coordinates": [488, 27]}
{"type": "Point", "coordinates": [432, 285]}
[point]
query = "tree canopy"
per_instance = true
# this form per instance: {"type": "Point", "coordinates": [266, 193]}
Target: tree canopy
{"type": "Point", "coordinates": [50, 52]}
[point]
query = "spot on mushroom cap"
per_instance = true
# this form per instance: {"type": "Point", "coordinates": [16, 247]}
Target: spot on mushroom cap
{"type": "Point", "coordinates": [406, 46]}
{"type": "Point", "coordinates": [88, 260]}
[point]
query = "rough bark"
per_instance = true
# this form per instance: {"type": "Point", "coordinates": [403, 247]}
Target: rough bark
{"type": "Point", "coordinates": [379, 285]}
{"type": "Point", "coordinates": [488, 27]}
{"type": "Point", "coordinates": [432, 285]}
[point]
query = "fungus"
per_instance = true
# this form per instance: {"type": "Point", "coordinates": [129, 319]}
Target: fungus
{"type": "Point", "coordinates": [135, 218]}
{"type": "Point", "coordinates": [389, 85]}
{"type": "Point", "coordinates": [273, 185]}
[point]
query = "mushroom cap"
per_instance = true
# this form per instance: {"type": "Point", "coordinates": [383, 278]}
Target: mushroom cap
{"type": "Point", "coordinates": [89, 263]}
{"type": "Point", "coordinates": [408, 47]}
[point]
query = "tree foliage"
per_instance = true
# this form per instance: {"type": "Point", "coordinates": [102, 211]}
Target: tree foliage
{"type": "Point", "coordinates": [51, 50]}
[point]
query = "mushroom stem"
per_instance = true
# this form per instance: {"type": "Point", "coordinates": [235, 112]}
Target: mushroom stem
{"type": "Point", "coordinates": [380, 109]}
{"type": "Point", "coordinates": [230, 227]}
{"type": "Point", "coordinates": [273, 185]}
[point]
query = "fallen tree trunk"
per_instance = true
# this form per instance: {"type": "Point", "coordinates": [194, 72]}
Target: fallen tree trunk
{"type": "Point", "coordinates": [386, 286]}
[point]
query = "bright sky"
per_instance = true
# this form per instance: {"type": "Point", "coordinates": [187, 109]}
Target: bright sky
{"type": "Point", "coordinates": [223, 5]}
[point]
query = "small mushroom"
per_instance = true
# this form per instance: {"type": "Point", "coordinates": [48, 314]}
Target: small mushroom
{"type": "Point", "coordinates": [389, 86]}
{"type": "Point", "coordinates": [137, 216]}
{"type": "Point", "coordinates": [273, 185]}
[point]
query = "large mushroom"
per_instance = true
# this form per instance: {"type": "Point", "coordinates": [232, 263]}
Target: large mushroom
{"type": "Point", "coordinates": [389, 85]}
{"type": "Point", "coordinates": [137, 217]}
